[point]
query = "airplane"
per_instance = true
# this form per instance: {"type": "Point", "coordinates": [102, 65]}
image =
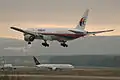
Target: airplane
{"type": "Point", "coordinates": [6, 66]}
{"type": "Point", "coordinates": [12, 67]}
{"type": "Point", "coordinates": [52, 67]}
{"type": "Point", "coordinates": [61, 35]}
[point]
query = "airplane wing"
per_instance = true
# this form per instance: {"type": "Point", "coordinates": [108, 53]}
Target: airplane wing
{"type": "Point", "coordinates": [96, 32]}
{"type": "Point", "coordinates": [23, 31]}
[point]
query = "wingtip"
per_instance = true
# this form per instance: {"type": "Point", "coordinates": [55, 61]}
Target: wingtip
{"type": "Point", "coordinates": [11, 27]}
{"type": "Point", "coordinates": [112, 29]}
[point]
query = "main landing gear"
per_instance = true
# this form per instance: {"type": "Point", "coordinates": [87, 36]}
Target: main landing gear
{"type": "Point", "coordinates": [45, 44]}
{"type": "Point", "coordinates": [63, 44]}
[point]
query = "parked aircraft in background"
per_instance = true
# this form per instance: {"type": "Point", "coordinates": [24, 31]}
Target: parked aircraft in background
{"type": "Point", "coordinates": [61, 35]}
{"type": "Point", "coordinates": [6, 66]}
{"type": "Point", "coordinates": [54, 67]}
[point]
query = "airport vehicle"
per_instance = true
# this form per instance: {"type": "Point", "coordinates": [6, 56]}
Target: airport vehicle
{"type": "Point", "coordinates": [54, 67]}
{"type": "Point", "coordinates": [61, 35]}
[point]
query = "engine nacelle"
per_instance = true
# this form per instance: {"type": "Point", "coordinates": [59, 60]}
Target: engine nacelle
{"type": "Point", "coordinates": [54, 68]}
{"type": "Point", "coordinates": [47, 37]}
{"type": "Point", "coordinates": [28, 38]}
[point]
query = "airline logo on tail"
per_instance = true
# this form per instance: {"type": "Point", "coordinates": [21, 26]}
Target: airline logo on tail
{"type": "Point", "coordinates": [82, 21]}
{"type": "Point", "coordinates": [81, 24]}
{"type": "Point", "coordinates": [36, 61]}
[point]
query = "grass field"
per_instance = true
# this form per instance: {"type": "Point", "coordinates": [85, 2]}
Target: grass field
{"type": "Point", "coordinates": [75, 72]}
{"type": "Point", "coordinates": [78, 72]}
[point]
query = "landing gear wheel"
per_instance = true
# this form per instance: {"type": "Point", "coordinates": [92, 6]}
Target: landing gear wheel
{"type": "Point", "coordinates": [64, 45]}
{"type": "Point", "coordinates": [29, 42]}
{"type": "Point", "coordinates": [45, 44]}
{"type": "Point", "coordinates": [57, 69]}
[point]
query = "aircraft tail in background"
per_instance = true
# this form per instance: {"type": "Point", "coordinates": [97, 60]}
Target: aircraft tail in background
{"type": "Point", "coordinates": [36, 61]}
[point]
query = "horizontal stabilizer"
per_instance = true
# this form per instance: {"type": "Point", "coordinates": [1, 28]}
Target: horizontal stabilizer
{"type": "Point", "coordinates": [76, 30]}
{"type": "Point", "coordinates": [96, 32]}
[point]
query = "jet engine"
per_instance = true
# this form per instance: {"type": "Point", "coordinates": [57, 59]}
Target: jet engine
{"type": "Point", "coordinates": [54, 68]}
{"type": "Point", "coordinates": [28, 38]}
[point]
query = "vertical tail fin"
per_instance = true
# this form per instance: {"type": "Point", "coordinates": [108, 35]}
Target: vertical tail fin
{"type": "Point", "coordinates": [82, 22]}
{"type": "Point", "coordinates": [36, 61]}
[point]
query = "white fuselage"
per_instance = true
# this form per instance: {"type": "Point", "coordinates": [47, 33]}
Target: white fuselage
{"type": "Point", "coordinates": [7, 66]}
{"type": "Point", "coordinates": [59, 34]}
{"type": "Point", "coordinates": [55, 66]}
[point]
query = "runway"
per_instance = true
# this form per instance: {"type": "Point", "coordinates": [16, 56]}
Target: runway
{"type": "Point", "coordinates": [70, 77]}
{"type": "Point", "coordinates": [31, 73]}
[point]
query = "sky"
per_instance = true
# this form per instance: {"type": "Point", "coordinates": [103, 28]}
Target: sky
{"type": "Point", "coordinates": [104, 14]}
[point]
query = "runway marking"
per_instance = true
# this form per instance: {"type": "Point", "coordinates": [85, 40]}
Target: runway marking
{"type": "Point", "coordinates": [65, 76]}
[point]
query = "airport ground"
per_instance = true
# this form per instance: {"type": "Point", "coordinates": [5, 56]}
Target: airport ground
{"type": "Point", "coordinates": [75, 74]}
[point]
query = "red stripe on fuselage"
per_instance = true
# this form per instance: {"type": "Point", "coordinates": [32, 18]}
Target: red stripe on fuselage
{"type": "Point", "coordinates": [74, 36]}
